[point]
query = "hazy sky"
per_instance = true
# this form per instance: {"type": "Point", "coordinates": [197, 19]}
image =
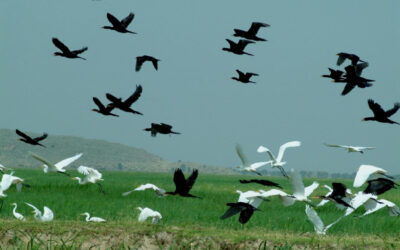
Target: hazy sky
{"type": "Point", "coordinates": [192, 89]}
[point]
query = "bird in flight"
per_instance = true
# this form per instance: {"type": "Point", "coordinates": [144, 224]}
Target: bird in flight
{"type": "Point", "coordinates": [65, 52]}
{"type": "Point", "coordinates": [238, 48]}
{"type": "Point", "coordinates": [104, 110]}
{"type": "Point", "coordinates": [244, 78]}
{"type": "Point", "coordinates": [125, 105]}
{"type": "Point", "coordinates": [350, 148]}
{"type": "Point", "coordinates": [379, 114]}
{"type": "Point", "coordinates": [120, 26]}
{"type": "Point", "coordinates": [352, 78]}
{"type": "Point", "coordinates": [352, 57]}
{"type": "Point", "coordinates": [59, 167]}
{"type": "Point", "coordinates": [161, 128]}
{"type": "Point", "coordinates": [246, 211]}
{"type": "Point", "coordinates": [29, 140]}
{"type": "Point", "coordinates": [182, 185]}
{"type": "Point", "coordinates": [336, 75]}
{"type": "Point", "coordinates": [246, 166]}
{"type": "Point", "coordinates": [141, 59]}
{"type": "Point", "coordinates": [261, 182]}
{"type": "Point", "coordinates": [338, 194]}
{"type": "Point", "coordinates": [251, 34]}
{"type": "Point", "coordinates": [379, 186]}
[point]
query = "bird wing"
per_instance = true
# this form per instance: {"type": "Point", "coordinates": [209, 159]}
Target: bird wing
{"type": "Point", "coordinates": [60, 45]}
{"type": "Point", "coordinates": [339, 189]}
{"type": "Point", "coordinates": [6, 181]}
{"type": "Point", "coordinates": [93, 173]}
{"type": "Point", "coordinates": [297, 183]}
{"type": "Point", "coordinates": [360, 67]}
{"type": "Point", "coordinates": [127, 20]}
{"type": "Point", "coordinates": [316, 221]}
{"type": "Point", "coordinates": [37, 211]}
{"type": "Point", "coordinates": [282, 148]}
{"type": "Point", "coordinates": [376, 108]}
{"type": "Point", "coordinates": [347, 88]}
{"type": "Point", "coordinates": [112, 98]}
{"type": "Point", "coordinates": [37, 139]}
{"type": "Point", "coordinates": [62, 164]}
{"type": "Point", "coordinates": [139, 62]}
{"type": "Point", "coordinates": [241, 155]}
{"type": "Point", "coordinates": [245, 215]}
{"type": "Point", "coordinates": [144, 214]}
{"type": "Point", "coordinates": [364, 171]}
{"type": "Point", "coordinates": [113, 20]}
{"type": "Point", "coordinates": [146, 186]}
{"type": "Point", "coordinates": [179, 180]}
{"type": "Point", "coordinates": [249, 74]}
{"type": "Point", "coordinates": [241, 75]}
{"type": "Point", "coordinates": [335, 145]}
{"type": "Point", "coordinates": [391, 112]}
{"type": "Point", "coordinates": [255, 26]}
{"type": "Point", "coordinates": [192, 178]}
{"type": "Point", "coordinates": [78, 51]}
{"type": "Point", "coordinates": [155, 63]}
{"type": "Point", "coordinates": [98, 103]}
{"type": "Point", "coordinates": [341, 58]}
{"type": "Point", "coordinates": [166, 126]}
{"type": "Point", "coordinates": [357, 201]}
{"type": "Point", "coordinates": [48, 215]}
{"type": "Point", "coordinates": [257, 165]}
{"type": "Point", "coordinates": [243, 43]}
{"type": "Point", "coordinates": [231, 43]}
{"type": "Point", "coordinates": [133, 98]}
{"type": "Point", "coordinates": [22, 134]}
{"type": "Point", "coordinates": [39, 158]}
{"type": "Point", "coordinates": [231, 211]}
{"type": "Point", "coordinates": [372, 206]}
{"type": "Point", "coordinates": [308, 190]}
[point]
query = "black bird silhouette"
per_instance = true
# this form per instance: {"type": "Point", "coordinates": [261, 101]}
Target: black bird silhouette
{"type": "Point", "coordinates": [125, 105]}
{"type": "Point", "coordinates": [352, 79]}
{"type": "Point", "coordinates": [336, 75]}
{"type": "Point", "coordinates": [379, 114]}
{"type": "Point", "coordinates": [337, 195]}
{"type": "Point", "coordinates": [244, 78]}
{"type": "Point", "coordinates": [141, 59]}
{"type": "Point", "coordinates": [102, 109]}
{"type": "Point", "coordinates": [262, 182]}
{"type": "Point", "coordinates": [237, 48]}
{"type": "Point", "coordinates": [161, 128]}
{"type": "Point", "coordinates": [246, 211]}
{"type": "Point", "coordinates": [352, 57]}
{"type": "Point", "coordinates": [182, 185]}
{"type": "Point", "coordinates": [379, 186]}
{"type": "Point", "coordinates": [33, 141]}
{"type": "Point", "coordinates": [120, 26]}
{"type": "Point", "coordinates": [251, 34]}
{"type": "Point", "coordinates": [65, 52]}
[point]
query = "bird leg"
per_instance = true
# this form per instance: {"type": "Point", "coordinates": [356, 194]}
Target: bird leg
{"type": "Point", "coordinates": [101, 188]}
{"type": "Point", "coordinates": [283, 172]}
{"type": "Point", "coordinates": [64, 173]}
{"type": "Point", "coordinates": [1, 206]}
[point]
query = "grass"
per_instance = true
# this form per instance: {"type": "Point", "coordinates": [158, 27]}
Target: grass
{"type": "Point", "coordinates": [186, 222]}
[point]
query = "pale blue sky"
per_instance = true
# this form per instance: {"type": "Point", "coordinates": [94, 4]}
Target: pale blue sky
{"type": "Point", "coordinates": [192, 89]}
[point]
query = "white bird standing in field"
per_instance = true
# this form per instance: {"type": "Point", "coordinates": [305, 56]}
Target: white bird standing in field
{"type": "Point", "coordinates": [159, 191]}
{"type": "Point", "coordinates": [91, 176]}
{"type": "Point", "coordinates": [147, 212]}
{"type": "Point", "coordinates": [246, 166]}
{"type": "Point", "coordinates": [316, 220]}
{"type": "Point", "coordinates": [277, 162]}
{"type": "Point", "coordinates": [350, 149]}
{"type": "Point", "coordinates": [373, 205]}
{"type": "Point", "coordinates": [59, 167]}
{"type": "Point", "coordinates": [364, 172]}
{"type": "Point", "coordinates": [47, 215]}
{"type": "Point", "coordinates": [93, 219]}
{"type": "Point", "coordinates": [16, 214]}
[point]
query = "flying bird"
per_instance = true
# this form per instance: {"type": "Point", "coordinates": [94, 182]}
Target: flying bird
{"type": "Point", "coordinates": [338, 194]}
{"type": "Point", "coordinates": [246, 166]}
{"type": "Point", "coordinates": [65, 52]}
{"type": "Point", "coordinates": [379, 186]}
{"type": "Point", "coordinates": [104, 110]}
{"type": "Point", "coordinates": [277, 162]}
{"type": "Point", "coordinates": [365, 171]}
{"type": "Point", "coordinates": [244, 78]}
{"type": "Point", "coordinates": [261, 182]}
{"type": "Point", "coordinates": [47, 215]}
{"type": "Point", "coordinates": [7, 180]}
{"type": "Point", "coordinates": [359, 199]}
{"type": "Point", "coordinates": [16, 214]}
{"type": "Point", "coordinates": [373, 205]}
{"type": "Point", "coordinates": [93, 219]}
{"type": "Point", "coordinates": [352, 57]}
{"type": "Point", "coordinates": [91, 176]}
{"type": "Point", "coordinates": [159, 191]}
{"type": "Point", "coordinates": [120, 26]}
{"type": "Point", "coordinates": [253, 198]}
{"type": "Point", "coordinates": [161, 128]}
{"type": "Point", "coordinates": [379, 114]}
{"type": "Point", "coordinates": [182, 185]}
{"type": "Point", "coordinates": [347, 198]}
{"type": "Point", "coordinates": [125, 105]}
{"type": "Point", "coordinates": [317, 222]}
{"type": "Point", "coordinates": [59, 167]}
{"type": "Point", "coordinates": [350, 148]}
{"type": "Point", "coordinates": [238, 48]}
{"type": "Point", "coordinates": [142, 59]}
{"type": "Point", "coordinates": [29, 140]}
{"type": "Point", "coordinates": [353, 79]}
{"type": "Point", "coordinates": [336, 75]}
{"type": "Point", "coordinates": [146, 213]}
{"type": "Point", "coordinates": [246, 211]}
{"type": "Point", "coordinates": [251, 34]}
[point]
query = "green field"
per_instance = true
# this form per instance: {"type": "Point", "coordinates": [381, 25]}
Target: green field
{"type": "Point", "coordinates": [186, 222]}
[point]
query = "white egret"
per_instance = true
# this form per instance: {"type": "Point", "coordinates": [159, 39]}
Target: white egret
{"type": "Point", "coordinates": [253, 198]}
{"type": "Point", "coordinates": [47, 215]}
{"type": "Point", "coordinates": [373, 205]}
{"type": "Point", "coordinates": [357, 201]}
{"type": "Point", "coordinates": [93, 219]}
{"type": "Point", "coordinates": [277, 162]}
{"type": "Point", "coordinates": [363, 173]}
{"type": "Point", "coordinates": [91, 176]}
{"type": "Point", "coordinates": [316, 220]}
{"type": "Point", "coordinates": [16, 214]}
{"type": "Point", "coordinates": [159, 191]}
{"type": "Point", "coordinates": [350, 149]}
{"type": "Point", "coordinates": [147, 212]}
{"type": "Point", "coordinates": [7, 180]}
{"type": "Point", "coordinates": [59, 166]}
{"type": "Point", "coordinates": [246, 166]}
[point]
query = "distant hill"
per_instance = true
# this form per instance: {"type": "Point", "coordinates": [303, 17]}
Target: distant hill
{"type": "Point", "coordinates": [100, 154]}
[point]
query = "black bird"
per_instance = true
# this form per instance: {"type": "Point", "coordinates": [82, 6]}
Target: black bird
{"type": "Point", "coordinates": [182, 185]}
{"type": "Point", "coordinates": [33, 141]}
{"type": "Point", "coordinates": [338, 194]}
{"type": "Point", "coordinates": [379, 186]}
{"type": "Point", "coordinates": [246, 211]}
{"type": "Point", "coordinates": [102, 109]}
{"type": "Point", "coordinates": [125, 105]}
{"type": "Point", "coordinates": [251, 34]}
{"type": "Point", "coordinates": [237, 48]}
{"type": "Point", "coordinates": [262, 182]}
{"type": "Point", "coordinates": [120, 26]}
{"type": "Point", "coordinates": [141, 59]}
{"type": "Point", "coordinates": [379, 114]}
{"type": "Point", "coordinates": [65, 52]}
{"type": "Point", "coordinates": [352, 57]}
{"type": "Point", "coordinates": [161, 128]}
{"type": "Point", "coordinates": [244, 78]}
{"type": "Point", "coordinates": [336, 75]}
{"type": "Point", "coordinates": [352, 79]}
